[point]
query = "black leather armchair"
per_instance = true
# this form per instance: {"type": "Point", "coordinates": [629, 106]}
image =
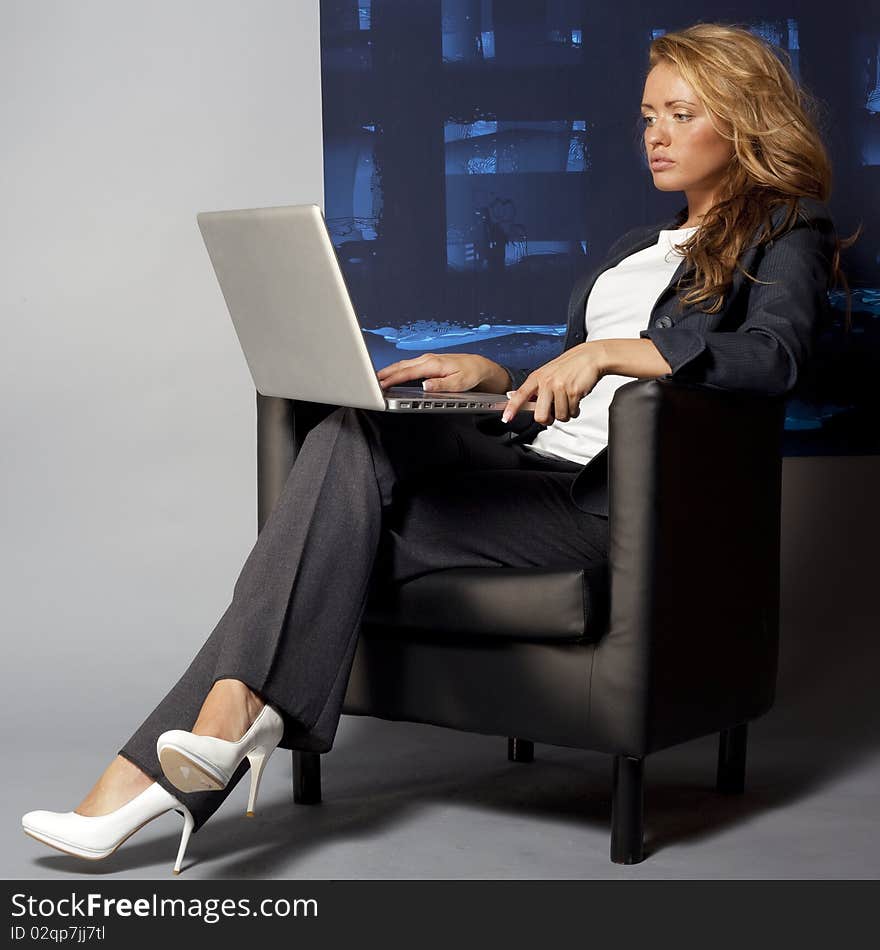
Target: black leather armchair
{"type": "Point", "coordinates": [689, 644]}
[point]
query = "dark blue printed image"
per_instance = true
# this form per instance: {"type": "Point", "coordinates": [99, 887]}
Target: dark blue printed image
{"type": "Point", "coordinates": [481, 155]}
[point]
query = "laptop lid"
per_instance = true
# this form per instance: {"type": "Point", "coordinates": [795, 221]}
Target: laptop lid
{"type": "Point", "coordinates": [289, 305]}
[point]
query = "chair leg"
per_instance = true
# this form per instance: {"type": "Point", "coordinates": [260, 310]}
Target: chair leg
{"type": "Point", "coordinates": [306, 777]}
{"type": "Point", "coordinates": [732, 759]}
{"type": "Point", "coordinates": [627, 810]}
{"type": "Point", "coordinates": [520, 750]}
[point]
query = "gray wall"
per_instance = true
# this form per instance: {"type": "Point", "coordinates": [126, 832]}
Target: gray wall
{"type": "Point", "coordinates": [127, 409]}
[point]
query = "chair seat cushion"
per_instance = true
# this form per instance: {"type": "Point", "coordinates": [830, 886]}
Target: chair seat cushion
{"type": "Point", "coordinates": [508, 602]}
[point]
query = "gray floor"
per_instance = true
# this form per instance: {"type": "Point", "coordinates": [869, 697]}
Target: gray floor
{"type": "Point", "coordinates": [412, 801]}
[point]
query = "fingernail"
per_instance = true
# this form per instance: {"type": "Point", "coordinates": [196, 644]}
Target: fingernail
{"type": "Point", "coordinates": [505, 416]}
{"type": "Point", "coordinates": [426, 385]}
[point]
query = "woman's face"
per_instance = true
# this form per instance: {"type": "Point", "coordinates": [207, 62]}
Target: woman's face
{"type": "Point", "coordinates": [677, 128]}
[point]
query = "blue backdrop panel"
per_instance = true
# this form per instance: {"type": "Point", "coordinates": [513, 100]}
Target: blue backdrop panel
{"type": "Point", "coordinates": [480, 155]}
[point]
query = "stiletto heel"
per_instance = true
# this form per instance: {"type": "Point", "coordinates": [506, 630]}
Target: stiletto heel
{"type": "Point", "coordinates": [203, 763]}
{"type": "Point", "coordinates": [188, 822]}
{"type": "Point", "coordinates": [257, 761]}
{"type": "Point", "coordinates": [97, 836]}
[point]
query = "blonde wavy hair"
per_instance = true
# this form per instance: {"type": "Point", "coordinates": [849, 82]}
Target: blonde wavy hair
{"type": "Point", "coordinates": [753, 100]}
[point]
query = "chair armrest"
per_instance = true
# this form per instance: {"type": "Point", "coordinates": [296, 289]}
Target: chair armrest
{"type": "Point", "coordinates": [694, 520]}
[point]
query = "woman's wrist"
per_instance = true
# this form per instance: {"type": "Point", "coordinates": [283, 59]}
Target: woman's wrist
{"type": "Point", "coordinates": [496, 379]}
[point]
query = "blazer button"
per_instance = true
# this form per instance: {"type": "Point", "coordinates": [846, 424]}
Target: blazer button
{"type": "Point", "coordinates": [663, 322]}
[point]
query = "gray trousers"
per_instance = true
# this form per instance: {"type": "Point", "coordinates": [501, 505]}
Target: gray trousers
{"type": "Point", "coordinates": [373, 498]}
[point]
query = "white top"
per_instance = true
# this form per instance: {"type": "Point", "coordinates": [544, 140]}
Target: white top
{"type": "Point", "coordinates": [618, 307]}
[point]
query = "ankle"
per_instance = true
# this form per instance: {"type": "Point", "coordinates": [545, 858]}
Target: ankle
{"type": "Point", "coordinates": [254, 702]}
{"type": "Point", "coordinates": [228, 711]}
{"type": "Point", "coordinates": [240, 692]}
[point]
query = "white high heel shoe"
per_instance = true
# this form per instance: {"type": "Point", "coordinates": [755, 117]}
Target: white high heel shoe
{"type": "Point", "coordinates": [200, 763]}
{"type": "Point", "coordinates": [96, 836]}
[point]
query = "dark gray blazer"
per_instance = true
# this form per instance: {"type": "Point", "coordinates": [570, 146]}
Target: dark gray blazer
{"type": "Point", "coordinates": [760, 340]}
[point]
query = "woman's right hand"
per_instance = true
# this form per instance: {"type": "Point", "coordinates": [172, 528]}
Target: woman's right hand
{"type": "Point", "coordinates": [449, 372]}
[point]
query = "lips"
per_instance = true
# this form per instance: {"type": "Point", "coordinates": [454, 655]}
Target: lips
{"type": "Point", "coordinates": [660, 163]}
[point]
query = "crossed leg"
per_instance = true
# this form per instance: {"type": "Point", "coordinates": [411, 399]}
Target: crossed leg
{"type": "Point", "coordinates": [371, 499]}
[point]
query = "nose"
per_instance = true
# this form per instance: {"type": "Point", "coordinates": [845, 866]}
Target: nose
{"type": "Point", "coordinates": [657, 134]}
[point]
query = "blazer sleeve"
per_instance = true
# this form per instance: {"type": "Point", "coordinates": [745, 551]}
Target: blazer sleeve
{"type": "Point", "coordinates": [517, 376]}
{"type": "Point", "coordinates": [768, 351]}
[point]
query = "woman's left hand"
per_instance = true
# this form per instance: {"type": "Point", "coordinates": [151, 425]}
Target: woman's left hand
{"type": "Point", "coordinates": [557, 387]}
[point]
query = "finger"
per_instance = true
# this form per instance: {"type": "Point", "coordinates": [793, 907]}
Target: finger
{"type": "Point", "coordinates": [519, 396]}
{"type": "Point", "coordinates": [574, 405]}
{"type": "Point", "coordinates": [451, 383]}
{"type": "Point", "coordinates": [392, 368]}
{"type": "Point", "coordinates": [544, 407]}
{"type": "Point", "coordinates": [560, 404]}
{"type": "Point", "coordinates": [403, 365]}
{"type": "Point", "coordinates": [401, 376]}
{"type": "Point", "coordinates": [421, 368]}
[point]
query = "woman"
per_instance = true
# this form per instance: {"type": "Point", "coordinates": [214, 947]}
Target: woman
{"type": "Point", "coordinates": [724, 122]}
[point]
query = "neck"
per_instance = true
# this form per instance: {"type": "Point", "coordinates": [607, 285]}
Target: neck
{"type": "Point", "coordinates": [698, 202]}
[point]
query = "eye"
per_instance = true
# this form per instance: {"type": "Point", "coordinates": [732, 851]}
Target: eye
{"type": "Point", "coordinates": [646, 119]}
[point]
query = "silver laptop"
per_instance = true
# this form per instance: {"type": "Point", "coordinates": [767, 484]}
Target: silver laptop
{"type": "Point", "coordinates": [294, 317]}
